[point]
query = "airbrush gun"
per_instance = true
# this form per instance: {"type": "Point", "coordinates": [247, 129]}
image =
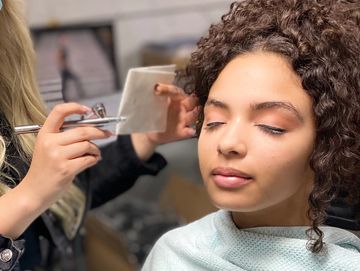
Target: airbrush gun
{"type": "Point", "coordinates": [98, 110]}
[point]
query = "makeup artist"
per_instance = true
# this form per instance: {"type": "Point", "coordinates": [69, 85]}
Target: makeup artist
{"type": "Point", "coordinates": [50, 180]}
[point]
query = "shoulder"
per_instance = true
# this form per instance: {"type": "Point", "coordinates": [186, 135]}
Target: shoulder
{"type": "Point", "coordinates": [199, 234]}
{"type": "Point", "coordinates": [341, 238]}
{"type": "Point", "coordinates": [182, 246]}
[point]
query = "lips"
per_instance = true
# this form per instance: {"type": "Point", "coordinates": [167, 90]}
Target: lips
{"type": "Point", "coordinates": [229, 177]}
{"type": "Point", "coordinates": [230, 172]}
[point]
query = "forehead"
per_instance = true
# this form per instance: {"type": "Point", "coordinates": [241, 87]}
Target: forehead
{"type": "Point", "coordinates": [259, 77]}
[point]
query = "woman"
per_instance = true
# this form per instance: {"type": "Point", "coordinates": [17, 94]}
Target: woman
{"type": "Point", "coordinates": [279, 138]}
{"type": "Point", "coordinates": [49, 181]}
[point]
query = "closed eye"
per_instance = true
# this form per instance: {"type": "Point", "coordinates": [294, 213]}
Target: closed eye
{"type": "Point", "coordinates": [213, 125]}
{"type": "Point", "coordinates": [271, 129]}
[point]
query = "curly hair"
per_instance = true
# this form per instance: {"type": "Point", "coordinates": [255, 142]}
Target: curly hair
{"type": "Point", "coordinates": [321, 40]}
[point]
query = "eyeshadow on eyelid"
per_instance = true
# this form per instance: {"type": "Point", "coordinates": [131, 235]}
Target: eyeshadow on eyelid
{"type": "Point", "coordinates": [279, 121]}
{"type": "Point", "coordinates": [281, 106]}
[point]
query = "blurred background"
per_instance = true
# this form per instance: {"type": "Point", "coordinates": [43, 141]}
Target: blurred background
{"type": "Point", "coordinates": [84, 50]}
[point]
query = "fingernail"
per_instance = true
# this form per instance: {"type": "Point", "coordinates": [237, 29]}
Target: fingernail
{"type": "Point", "coordinates": [88, 109]}
{"type": "Point", "coordinates": [110, 133]}
{"type": "Point", "coordinates": [155, 88]}
{"type": "Point", "coordinates": [192, 133]}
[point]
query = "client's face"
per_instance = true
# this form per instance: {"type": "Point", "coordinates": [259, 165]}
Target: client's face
{"type": "Point", "coordinates": [257, 136]}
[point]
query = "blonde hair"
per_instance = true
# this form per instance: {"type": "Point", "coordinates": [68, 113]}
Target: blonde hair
{"type": "Point", "coordinates": [21, 103]}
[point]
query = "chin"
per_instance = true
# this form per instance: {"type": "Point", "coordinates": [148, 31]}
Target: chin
{"type": "Point", "coordinates": [233, 202]}
{"type": "Point", "coordinates": [245, 199]}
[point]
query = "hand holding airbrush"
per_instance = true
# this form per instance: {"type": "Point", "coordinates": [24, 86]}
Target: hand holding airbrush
{"type": "Point", "coordinates": [97, 117]}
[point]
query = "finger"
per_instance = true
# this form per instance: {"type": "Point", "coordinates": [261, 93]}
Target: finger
{"type": "Point", "coordinates": [82, 134]}
{"type": "Point", "coordinates": [171, 91]}
{"type": "Point", "coordinates": [190, 118]}
{"type": "Point", "coordinates": [190, 102]}
{"type": "Point", "coordinates": [79, 164]}
{"type": "Point", "coordinates": [59, 113]}
{"type": "Point", "coordinates": [187, 132]}
{"type": "Point", "coordinates": [80, 149]}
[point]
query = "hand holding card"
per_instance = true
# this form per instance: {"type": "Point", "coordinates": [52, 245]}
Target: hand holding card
{"type": "Point", "coordinates": [144, 111]}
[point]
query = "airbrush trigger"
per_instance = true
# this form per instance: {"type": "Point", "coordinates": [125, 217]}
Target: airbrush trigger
{"type": "Point", "coordinates": [99, 110]}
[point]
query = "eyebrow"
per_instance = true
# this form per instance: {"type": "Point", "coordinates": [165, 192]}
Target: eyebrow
{"type": "Point", "coordinates": [260, 106]}
{"type": "Point", "coordinates": [217, 103]}
{"type": "Point", "coordinates": [278, 104]}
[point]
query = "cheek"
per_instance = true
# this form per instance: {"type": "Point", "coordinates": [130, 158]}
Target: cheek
{"type": "Point", "coordinates": [289, 165]}
{"type": "Point", "coordinates": [206, 150]}
{"type": "Point", "coordinates": [201, 148]}
{"type": "Point", "coordinates": [288, 153]}
{"type": "Point", "coordinates": [285, 170]}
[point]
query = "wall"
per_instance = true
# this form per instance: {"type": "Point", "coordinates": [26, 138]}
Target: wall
{"type": "Point", "coordinates": [136, 22]}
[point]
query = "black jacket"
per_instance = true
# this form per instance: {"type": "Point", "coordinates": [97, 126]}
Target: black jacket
{"type": "Point", "coordinates": [113, 175]}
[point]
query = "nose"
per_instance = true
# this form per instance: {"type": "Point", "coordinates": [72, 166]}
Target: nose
{"type": "Point", "coordinates": [232, 143]}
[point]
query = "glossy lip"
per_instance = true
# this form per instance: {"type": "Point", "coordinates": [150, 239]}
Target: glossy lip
{"type": "Point", "coordinates": [226, 177]}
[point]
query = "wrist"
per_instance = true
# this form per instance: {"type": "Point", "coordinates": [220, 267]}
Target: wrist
{"type": "Point", "coordinates": [24, 210]}
{"type": "Point", "coordinates": [143, 145]}
{"type": "Point", "coordinates": [30, 199]}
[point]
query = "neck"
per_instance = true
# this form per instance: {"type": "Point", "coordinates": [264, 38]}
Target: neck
{"type": "Point", "coordinates": [291, 212]}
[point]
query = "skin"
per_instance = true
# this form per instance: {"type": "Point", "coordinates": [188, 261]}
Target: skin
{"type": "Point", "coordinates": [244, 130]}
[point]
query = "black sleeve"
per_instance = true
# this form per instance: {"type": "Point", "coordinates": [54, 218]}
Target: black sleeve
{"type": "Point", "coordinates": [10, 253]}
{"type": "Point", "coordinates": [118, 170]}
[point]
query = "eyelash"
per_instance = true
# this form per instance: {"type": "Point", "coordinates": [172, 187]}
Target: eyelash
{"type": "Point", "coordinates": [271, 130]}
{"type": "Point", "coordinates": [265, 128]}
{"type": "Point", "coordinates": [213, 125]}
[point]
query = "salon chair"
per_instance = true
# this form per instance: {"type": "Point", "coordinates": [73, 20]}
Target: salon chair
{"type": "Point", "coordinates": [343, 215]}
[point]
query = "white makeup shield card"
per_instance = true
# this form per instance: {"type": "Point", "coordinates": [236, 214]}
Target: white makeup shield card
{"type": "Point", "coordinates": [144, 111]}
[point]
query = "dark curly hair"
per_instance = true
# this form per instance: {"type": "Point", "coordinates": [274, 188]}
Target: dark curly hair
{"type": "Point", "coordinates": [321, 40]}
